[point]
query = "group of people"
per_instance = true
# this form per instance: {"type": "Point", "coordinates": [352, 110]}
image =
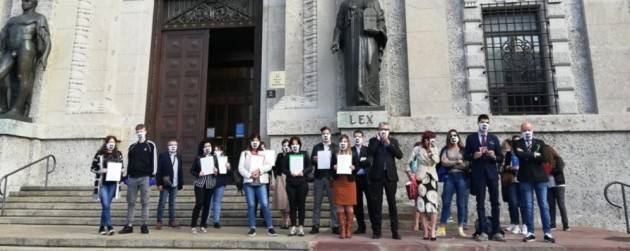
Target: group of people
{"type": "Point", "coordinates": [344, 172]}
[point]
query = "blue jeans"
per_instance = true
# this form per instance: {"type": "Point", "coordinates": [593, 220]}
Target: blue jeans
{"type": "Point", "coordinates": [455, 183]}
{"type": "Point", "coordinates": [514, 200]}
{"type": "Point", "coordinates": [257, 192]}
{"type": "Point", "coordinates": [106, 194]}
{"type": "Point", "coordinates": [527, 205]}
{"type": "Point", "coordinates": [171, 192]}
{"type": "Point", "coordinates": [216, 203]}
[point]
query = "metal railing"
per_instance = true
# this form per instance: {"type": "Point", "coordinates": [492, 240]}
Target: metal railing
{"type": "Point", "coordinates": [623, 196]}
{"type": "Point", "coordinates": [5, 178]}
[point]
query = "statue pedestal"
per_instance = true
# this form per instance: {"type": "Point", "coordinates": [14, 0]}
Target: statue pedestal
{"type": "Point", "coordinates": [16, 117]}
{"type": "Point", "coordinates": [365, 118]}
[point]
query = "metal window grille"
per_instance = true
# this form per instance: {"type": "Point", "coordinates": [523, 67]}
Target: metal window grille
{"type": "Point", "coordinates": [518, 58]}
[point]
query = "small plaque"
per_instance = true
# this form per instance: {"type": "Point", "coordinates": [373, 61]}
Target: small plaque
{"type": "Point", "coordinates": [277, 80]}
{"type": "Point", "coordinates": [271, 93]}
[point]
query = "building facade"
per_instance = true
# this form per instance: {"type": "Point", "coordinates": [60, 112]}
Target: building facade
{"type": "Point", "coordinates": [226, 68]}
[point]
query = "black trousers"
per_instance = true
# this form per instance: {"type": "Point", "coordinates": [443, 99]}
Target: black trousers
{"type": "Point", "coordinates": [296, 194]}
{"type": "Point", "coordinates": [202, 203]}
{"type": "Point", "coordinates": [556, 195]}
{"type": "Point", "coordinates": [376, 204]}
{"type": "Point", "coordinates": [493, 189]}
{"type": "Point", "coordinates": [362, 188]}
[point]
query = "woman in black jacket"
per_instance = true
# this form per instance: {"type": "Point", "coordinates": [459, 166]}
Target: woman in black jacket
{"type": "Point", "coordinates": [280, 199]}
{"type": "Point", "coordinates": [297, 186]}
{"type": "Point", "coordinates": [204, 185]}
{"type": "Point", "coordinates": [554, 164]}
{"type": "Point", "coordinates": [106, 155]}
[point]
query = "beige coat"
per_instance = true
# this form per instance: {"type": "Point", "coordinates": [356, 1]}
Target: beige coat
{"type": "Point", "coordinates": [426, 162]}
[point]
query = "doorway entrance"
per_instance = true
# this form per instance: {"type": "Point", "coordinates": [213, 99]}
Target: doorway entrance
{"type": "Point", "coordinates": [205, 75]}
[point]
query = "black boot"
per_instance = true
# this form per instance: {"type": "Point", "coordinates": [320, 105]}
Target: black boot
{"type": "Point", "coordinates": [314, 230]}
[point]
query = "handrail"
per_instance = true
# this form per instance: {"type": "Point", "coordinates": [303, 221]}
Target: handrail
{"type": "Point", "coordinates": [5, 178]}
{"type": "Point", "coordinates": [623, 196]}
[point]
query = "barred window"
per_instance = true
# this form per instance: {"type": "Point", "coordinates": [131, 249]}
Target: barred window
{"type": "Point", "coordinates": [518, 58]}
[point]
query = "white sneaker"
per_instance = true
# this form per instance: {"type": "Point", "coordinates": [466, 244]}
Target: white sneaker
{"type": "Point", "coordinates": [194, 230]}
{"type": "Point", "coordinates": [510, 228]}
{"type": "Point", "coordinates": [301, 231]}
{"type": "Point", "coordinates": [524, 230]}
{"type": "Point", "coordinates": [516, 230]}
{"type": "Point", "coordinates": [203, 229]}
{"type": "Point", "coordinates": [293, 231]}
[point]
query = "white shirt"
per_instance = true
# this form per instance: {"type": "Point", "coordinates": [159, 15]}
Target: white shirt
{"type": "Point", "coordinates": [175, 165]}
{"type": "Point", "coordinates": [326, 146]}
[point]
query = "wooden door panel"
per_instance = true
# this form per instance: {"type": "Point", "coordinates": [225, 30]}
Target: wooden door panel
{"type": "Point", "coordinates": [183, 74]}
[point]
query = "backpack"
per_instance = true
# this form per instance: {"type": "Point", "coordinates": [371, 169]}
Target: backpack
{"type": "Point", "coordinates": [441, 170]}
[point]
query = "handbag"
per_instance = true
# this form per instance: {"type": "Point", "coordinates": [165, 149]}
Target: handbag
{"type": "Point", "coordinates": [412, 188]}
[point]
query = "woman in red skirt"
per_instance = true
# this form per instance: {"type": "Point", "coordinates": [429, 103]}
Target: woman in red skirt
{"type": "Point", "coordinates": [344, 187]}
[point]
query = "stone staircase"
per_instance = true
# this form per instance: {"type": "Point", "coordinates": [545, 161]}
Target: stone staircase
{"type": "Point", "coordinates": [62, 205]}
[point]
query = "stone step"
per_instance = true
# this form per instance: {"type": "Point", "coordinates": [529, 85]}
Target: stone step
{"type": "Point", "coordinates": [123, 187]}
{"type": "Point", "coordinates": [85, 238]}
{"type": "Point", "coordinates": [180, 213]}
{"type": "Point", "coordinates": [121, 204]}
{"type": "Point", "coordinates": [120, 221]}
{"type": "Point", "coordinates": [88, 199]}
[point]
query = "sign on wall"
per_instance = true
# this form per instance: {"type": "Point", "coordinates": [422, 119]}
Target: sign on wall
{"type": "Point", "coordinates": [277, 80]}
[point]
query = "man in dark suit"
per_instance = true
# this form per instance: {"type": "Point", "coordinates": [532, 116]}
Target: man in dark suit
{"type": "Point", "coordinates": [532, 178]}
{"type": "Point", "coordinates": [483, 150]}
{"type": "Point", "coordinates": [322, 182]}
{"type": "Point", "coordinates": [383, 150]}
{"type": "Point", "coordinates": [362, 163]}
{"type": "Point", "coordinates": [169, 179]}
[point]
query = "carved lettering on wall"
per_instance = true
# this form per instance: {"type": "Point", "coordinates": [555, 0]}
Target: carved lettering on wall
{"type": "Point", "coordinates": [185, 13]}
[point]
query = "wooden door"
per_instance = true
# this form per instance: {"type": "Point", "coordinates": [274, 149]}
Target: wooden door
{"type": "Point", "coordinates": [182, 91]}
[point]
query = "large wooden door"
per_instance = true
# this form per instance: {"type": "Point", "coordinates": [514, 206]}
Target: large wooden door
{"type": "Point", "coordinates": [182, 91]}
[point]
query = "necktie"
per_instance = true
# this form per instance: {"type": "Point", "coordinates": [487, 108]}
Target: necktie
{"type": "Point", "coordinates": [483, 140]}
{"type": "Point", "coordinates": [529, 146]}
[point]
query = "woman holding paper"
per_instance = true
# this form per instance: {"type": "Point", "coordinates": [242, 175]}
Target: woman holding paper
{"type": "Point", "coordinates": [280, 199]}
{"type": "Point", "coordinates": [254, 168]}
{"type": "Point", "coordinates": [426, 176]}
{"type": "Point", "coordinates": [106, 157]}
{"type": "Point", "coordinates": [296, 165]}
{"type": "Point", "coordinates": [219, 188]}
{"type": "Point", "coordinates": [344, 186]}
{"type": "Point", "coordinates": [205, 170]}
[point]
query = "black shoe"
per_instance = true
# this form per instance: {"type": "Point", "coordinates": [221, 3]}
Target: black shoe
{"type": "Point", "coordinates": [126, 230]}
{"type": "Point", "coordinates": [335, 230]}
{"type": "Point", "coordinates": [252, 232]}
{"type": "Point", "coordinates": [553, 227]}
{"type": "Point", "coordinates": [217, 225]}
{"type": "Point", "coordinates": [549, 239]}
{"type": "Point", "coordinates": [433, 239]}
{"type": "Point", "coordinates": [360, 230]}
{"type": "Point", "coordinates": [376, 236]}
{"type": "Point", "coordinates": [529, 238]}
{"type": "Point", "coordinates": [396, 236]}
{"type": "Point", "coordinates": [101, 230]}
{"type": "Point", "coordinates": [110, 230]}
{"type": "Point", "coordinates": [144, 229]}
{"type": "Point", "coordinates": [271, 232]}
{"type": "Point", "coordinates": [314, 230]}
{"type": "Point", "coordinates": [426, 238]}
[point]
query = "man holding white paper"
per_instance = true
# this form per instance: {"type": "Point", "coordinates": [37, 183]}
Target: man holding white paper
{"type": "Point", "coordinates": [321, 160]}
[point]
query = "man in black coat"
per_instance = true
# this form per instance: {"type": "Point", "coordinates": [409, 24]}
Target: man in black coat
{"type": "Point", "coordinates": [532, 178]}
{"type": "Point", "coordinates": [483, 150]}
{"type": "Point", "coordinates": [362, 163]}
{"type": "Point", "coordinates": [322, 182]}
{"type": "Point", "coordinates": [169, 179]}
{"type": "Point", "coordinates": [383, 150]}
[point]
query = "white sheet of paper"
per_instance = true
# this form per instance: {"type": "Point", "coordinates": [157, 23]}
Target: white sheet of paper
{"type": "Point", "coordinates": [343, 164]}
{"type": "Point", "coordinates": [223, 160]}
{"type": "Point", "coordinates": [256, 162]}
{"type": "Point", "coordinates": [114, 170]}
{"type": "Point", "coordinates": [296, 163]}
{"type": "Point", "coordinates": [207, 165]}
{"type": "Point", "coordinates": [323, 160]}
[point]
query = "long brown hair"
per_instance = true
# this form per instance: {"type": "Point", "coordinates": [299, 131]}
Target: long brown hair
{"type": "Point", "coordinates": [348, 148]}
{"type": "Point", "coordinates": [550, 154]}
{"type": "Point", "coordinates": [448, 139]}
{"type": "Point", "coordinates": [106, 140]}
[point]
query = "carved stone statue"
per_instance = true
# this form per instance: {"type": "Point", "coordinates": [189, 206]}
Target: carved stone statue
{"type": "Point", "coordinates": [361, 34]}
{"type": "Point", "coordinates": [24, 43]}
